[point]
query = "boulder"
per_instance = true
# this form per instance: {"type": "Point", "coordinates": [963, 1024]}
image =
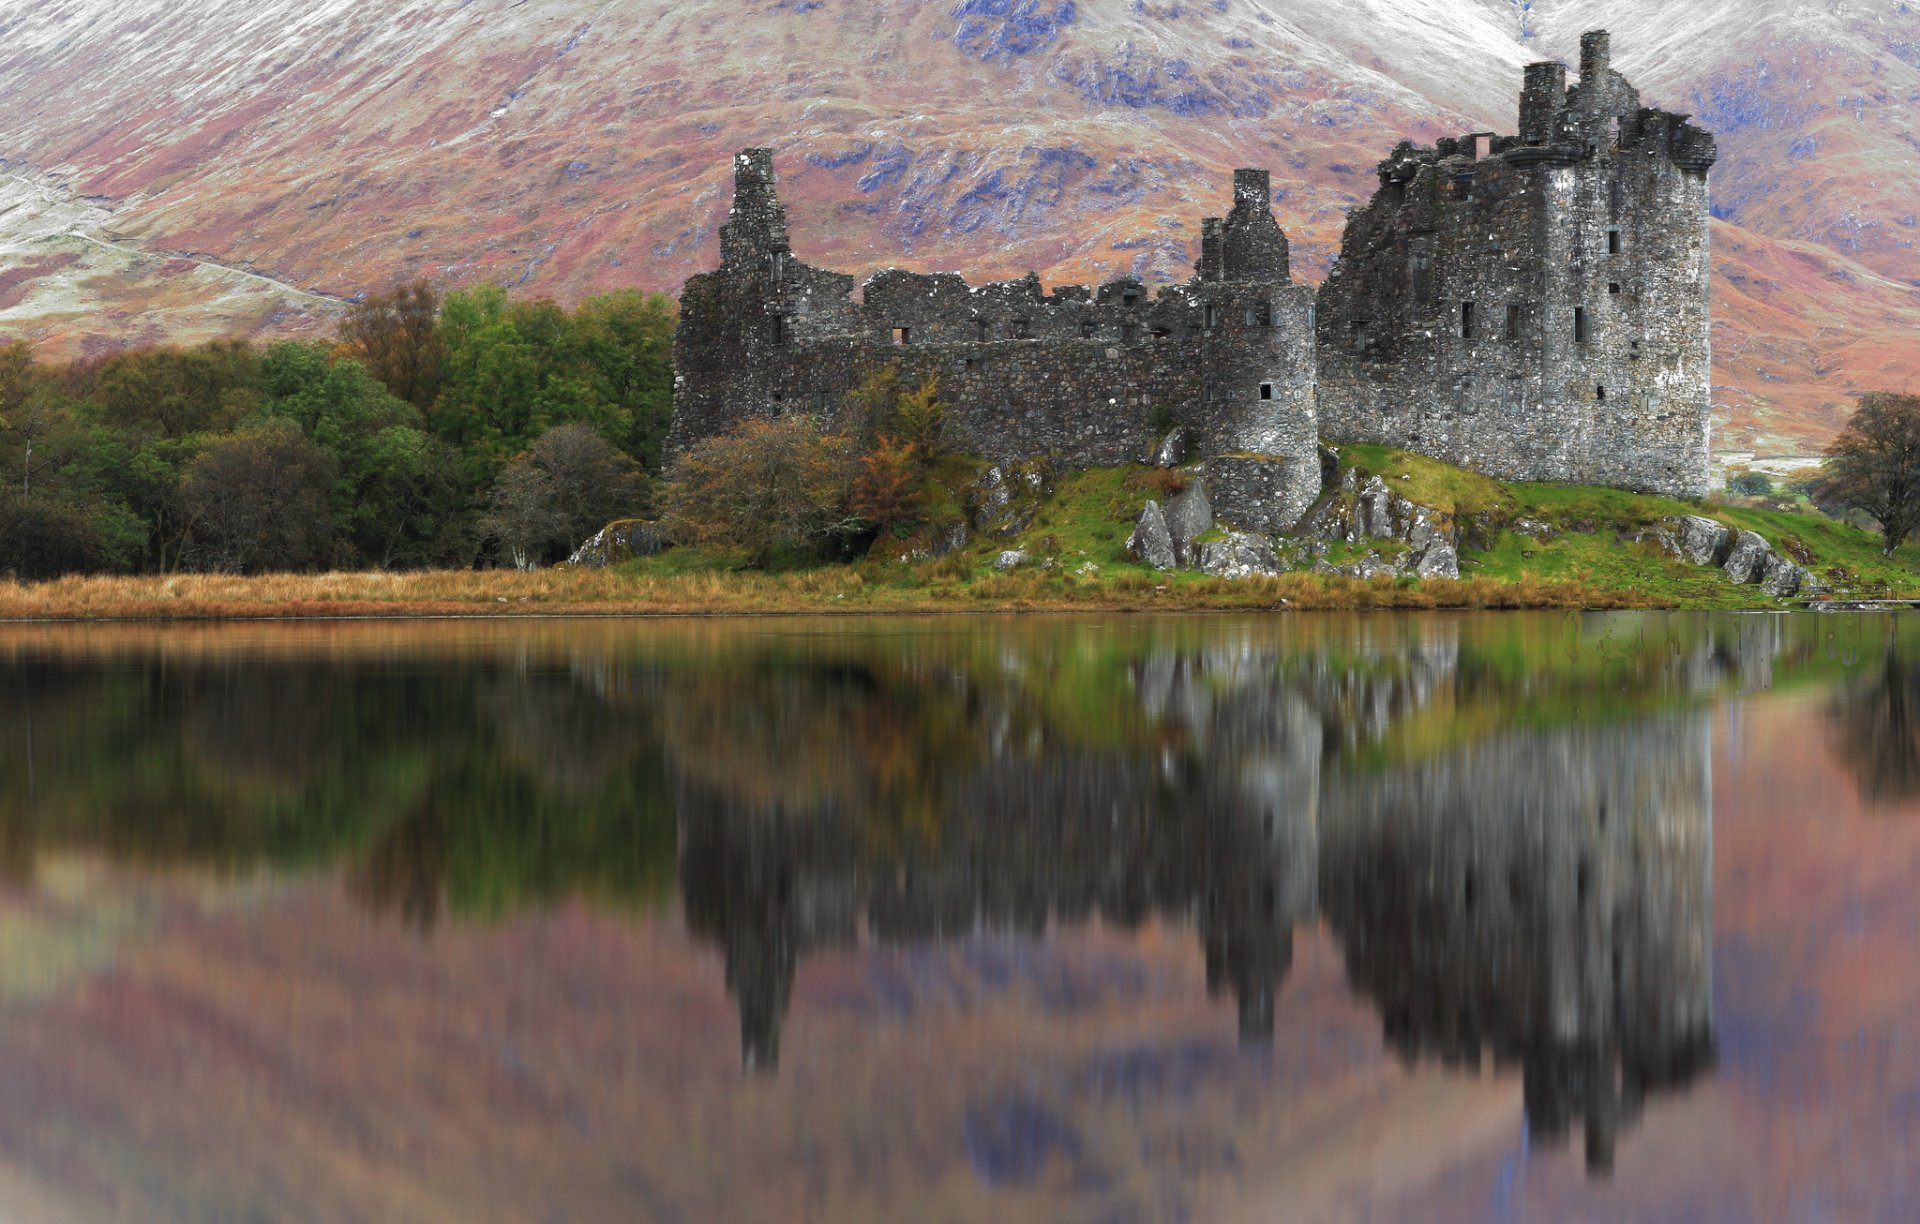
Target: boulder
{"type": "Point", "coordinates": [1012, 557]}
{"type": "Point", "coordinates": [1151, 542]}
{"type": "Point", "coordinates": [1239, 554]}
{"type": "Point", "coordinates": [1375, 514]}
{"type": "Point", "coordinates": [1189, 515]}
{"type": "Point", "coordinates": [621, 541]}
{"type": "Point", "coordinates": [1438, 560]}
{"type": "Point", "coordinates": [988, 497]}
{"type": "Point", "coordinates": [1780, 577]}
{"type": "Point", "coordinates": [1747, 560]}
{"type": "Point", "coordinates": [1700, 541]}
{"type": "Point", "coordinates": [1172, 450]}
{"type": "Point", "coordinates": [939, 540]}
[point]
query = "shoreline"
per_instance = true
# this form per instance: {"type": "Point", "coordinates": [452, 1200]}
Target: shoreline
{"type": "Point", "coordinates": [832, 591]}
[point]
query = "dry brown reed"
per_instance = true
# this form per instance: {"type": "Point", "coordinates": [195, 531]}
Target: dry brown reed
{"type": "Point", "coordinates": [831, 590]}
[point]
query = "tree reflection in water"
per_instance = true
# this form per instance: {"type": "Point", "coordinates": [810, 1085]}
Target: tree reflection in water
{"type": "Point", "coordinates": [1876, 726]}
{"type": "Point", "coordinates": [1505, 823]}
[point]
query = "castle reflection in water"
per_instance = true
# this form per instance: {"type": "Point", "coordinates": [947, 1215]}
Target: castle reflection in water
{"type": "Point", "coordinates": [1505, 824]}
{"type": "Point", "coordinates": [1541, 897]}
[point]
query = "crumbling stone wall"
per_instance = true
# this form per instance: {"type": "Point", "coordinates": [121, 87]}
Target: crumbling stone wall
{"type": "Point", "coordinates": [1534, 307]}
{"type": "Point", "coordinates": [1085, 376]}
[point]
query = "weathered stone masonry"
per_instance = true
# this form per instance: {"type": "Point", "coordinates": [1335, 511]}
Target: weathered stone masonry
{"type": "Point", "coordinates": [1534, 307]}
{"type": "Point", "coordinates": [1085, 376]}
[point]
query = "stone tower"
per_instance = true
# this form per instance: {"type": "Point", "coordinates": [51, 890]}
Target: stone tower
{"type": "Point", "coordinates": [1536, 306]}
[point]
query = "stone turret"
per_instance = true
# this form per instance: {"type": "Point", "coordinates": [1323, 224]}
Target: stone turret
{"type": "Point", "coordinates": [1253, 247]}
{"type": "Point", "coordinates": [757, 225]}
{"type": "Point", "coordinates": [1541, 98]}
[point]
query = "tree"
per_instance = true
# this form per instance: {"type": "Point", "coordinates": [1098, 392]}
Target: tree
{"type": "Point", "coordinates": [1874, 465]}
{"type": "Point", "coordinates": [29, 411]}
{"type": "Point", "coordinates": [625, 340]}
{"type": "Point", "coordinates": [395, 490]}
{"type": "Point", "coordinates": [258, 501]}
{"type": "Point", "coordinates": [889, 485]}
{"type": "Point", "coordinates": [176, 391]}
{"type": "Point", "coordinates": [567, 485]}
{"type": "Point", "coordinates": [763, 487]}
{"type": "Point", "coordinates": [43, 538]}
{"type": "Point", "coordinates": [396, 336]}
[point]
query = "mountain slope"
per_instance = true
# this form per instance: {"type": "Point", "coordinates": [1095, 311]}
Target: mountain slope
{"type": "Point", "coordinates": [573, 146]}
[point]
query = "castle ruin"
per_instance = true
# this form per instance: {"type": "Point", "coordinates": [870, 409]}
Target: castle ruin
{"type": "Point", "coordinates": [1534, 307]}
{"type": "Point", "coordinates": [1089, 377]}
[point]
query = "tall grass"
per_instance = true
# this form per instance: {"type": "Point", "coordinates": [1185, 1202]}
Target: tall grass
{"type": "Point", "coordinates": [826, 590]}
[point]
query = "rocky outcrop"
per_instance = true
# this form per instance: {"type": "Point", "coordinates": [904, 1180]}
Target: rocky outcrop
{"type": "Point", "coordinates": [1010, 559]}
{"type": "Point", "coordinates": [1700, 541]}
{"type": "Point", "coordinates": [621, 541]}
{"type": "Point", "coordinates": [1239, 554]}
{"type": "Point", "coordinates": [1172, 450]}
{"type": "Point", "coordinates": [1189, 516]}
{"type": "Point", "coordinates": [935, 541]}
{"type": "Point", "coordinates": [1151, 542]}
{"type": "Point", "coordinates": [1748, 558]}
{"type": "Point", "coordinates": [1361, 512]}
{"type": "Point", "coordinates": [1006, 498]}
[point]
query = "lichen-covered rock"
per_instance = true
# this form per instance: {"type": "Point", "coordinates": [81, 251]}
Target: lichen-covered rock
{"type": "Point", "coordinates": [1016, 519]}
{"type": "Point", "coordinates": [1780, 577]}
{"type": "Point", "coordinates": [1438, 560]}
{"type": "Point", "coordinates": [988, 497]}
{"type": "Point", "coordinates": [1172, 450]}
{"type": "Point", "coordinates": [1700, 541]}
{"type": "Point", "coordinates": [1747, 560]}
{"type": "Point", "coordinates": [1375, 514]}
{"type": "Point", "coordinates": [1009, 559]}
{"type": "Point", "coordinates": [1189, 515]}
{"type": "Point", "coordinates": [1239, 554]}
{"type": "Point", "coordinates": [621, 541]}
{"type": "Point", "coordinates": [938, 540]}
{"type": "Point", "coordinates": [1151, 542]}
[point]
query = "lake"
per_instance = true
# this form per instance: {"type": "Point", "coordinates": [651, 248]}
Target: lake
{"type": "Point", "coordinates": [1371, 917]}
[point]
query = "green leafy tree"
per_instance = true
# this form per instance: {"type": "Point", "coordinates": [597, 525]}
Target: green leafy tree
{"type": "Point", "coordinates": [258, 502]}
{"type": "Point", "coordinates": [395, 494]}
{"type": "Point", "coordinates": [1874, 465]}
{"type": "Point", "coordinates": [173, 392]}
{"type": "Point", "coordinates": [625, 340]}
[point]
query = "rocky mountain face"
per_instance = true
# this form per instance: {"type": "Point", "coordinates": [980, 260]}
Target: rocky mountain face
{"type": "Point", "coordinates": [180, 171]}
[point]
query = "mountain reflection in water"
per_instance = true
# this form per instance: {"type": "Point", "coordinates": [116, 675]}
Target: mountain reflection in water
{"type": "Point", "coordinates": [1505, 824]}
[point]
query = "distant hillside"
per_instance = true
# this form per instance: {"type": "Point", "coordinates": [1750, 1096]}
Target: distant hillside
{"type": "Point", "coordinates": [181, 170]}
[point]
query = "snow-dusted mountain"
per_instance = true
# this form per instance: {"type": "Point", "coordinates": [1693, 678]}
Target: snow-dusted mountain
{"type": "Point", "coordinates": [177, 170]}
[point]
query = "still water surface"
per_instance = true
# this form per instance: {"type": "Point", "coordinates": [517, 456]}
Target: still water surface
{"type": "Point", "coordinates": [1281, 918]}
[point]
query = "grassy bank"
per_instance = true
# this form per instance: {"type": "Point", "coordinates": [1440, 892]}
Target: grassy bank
{"type": "Point", "coordinates": [1539, 546]}
{"type": "Point", "coordinates": [724, 591]}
